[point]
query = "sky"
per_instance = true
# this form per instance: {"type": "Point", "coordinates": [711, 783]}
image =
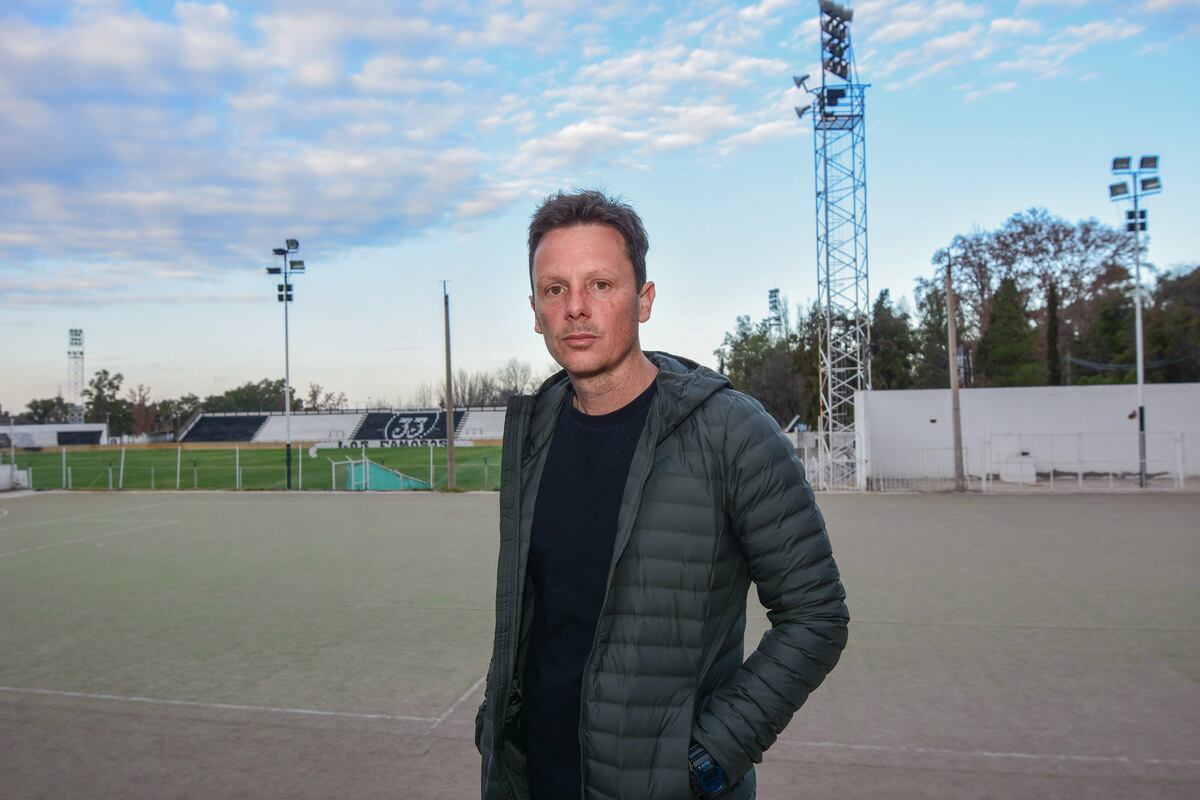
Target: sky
{"type": "Point", "coordinates": [153, 154]}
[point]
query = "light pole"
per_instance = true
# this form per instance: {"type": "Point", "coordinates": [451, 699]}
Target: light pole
{"type": "Point", "coordinates": [1145, 181]}
{"type": "Point", "coordinates": [284, 295]}
{"type": "Point", "coordinates": [451, 477]}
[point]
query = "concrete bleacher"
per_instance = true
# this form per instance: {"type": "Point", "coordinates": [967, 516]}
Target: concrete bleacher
{"type": "Point", "coordinates": [482, 423]}
{"type": "Point", "coordinates": [225, 428]}
{"type": "Point", "coordinates": [322, 427]}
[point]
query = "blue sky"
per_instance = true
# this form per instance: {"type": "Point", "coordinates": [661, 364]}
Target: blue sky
{"type": "Point", "coordinates": [152, 155]}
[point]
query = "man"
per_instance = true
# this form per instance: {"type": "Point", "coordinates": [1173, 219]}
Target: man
{"type": "Point", "coordinates": [640, 497]}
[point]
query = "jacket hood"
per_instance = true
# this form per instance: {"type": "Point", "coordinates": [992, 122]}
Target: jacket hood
{"type": "Point", "coordinates": [683, 386]}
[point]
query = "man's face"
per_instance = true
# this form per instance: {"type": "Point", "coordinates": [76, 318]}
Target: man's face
{"type": "Point", "coordinates": [585, 300]}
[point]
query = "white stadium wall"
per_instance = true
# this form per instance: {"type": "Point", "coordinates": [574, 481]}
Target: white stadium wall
{"type": "Point", "coordinates": [902, 433]}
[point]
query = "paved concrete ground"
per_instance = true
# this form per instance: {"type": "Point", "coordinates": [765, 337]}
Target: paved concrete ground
{"type": "Point", "coordinates": [1008, 647]}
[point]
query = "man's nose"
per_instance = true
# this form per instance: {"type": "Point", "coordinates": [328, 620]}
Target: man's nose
{"type": "Point", "coordinates": [577, 304]}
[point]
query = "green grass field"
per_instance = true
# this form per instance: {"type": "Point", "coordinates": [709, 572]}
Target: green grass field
{"type": "Point", "coordinates": [477, 468]}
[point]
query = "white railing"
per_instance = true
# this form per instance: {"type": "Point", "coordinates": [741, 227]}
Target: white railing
{"type": "Point", "coordinates": [1077, 461]}
{"type": "Point", "coordinates": [924, 469]}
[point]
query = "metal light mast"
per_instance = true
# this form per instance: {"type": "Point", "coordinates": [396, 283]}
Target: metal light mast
{"type": "Point", "coordinates": [1145, 181]}
{"type": "Point", "coordinates": [74, 398]}
{"type": "Point", "coordinates": [283, 292]}
{"type": "Point", "coordinates": [840, 160]}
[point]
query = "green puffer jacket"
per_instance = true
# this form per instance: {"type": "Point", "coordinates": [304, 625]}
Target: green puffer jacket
{"type": "Point", "coordinates": [716, 498]}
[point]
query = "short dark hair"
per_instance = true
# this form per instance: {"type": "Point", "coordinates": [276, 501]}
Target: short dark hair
{"type": "Point", "coordinates": [591, 207]}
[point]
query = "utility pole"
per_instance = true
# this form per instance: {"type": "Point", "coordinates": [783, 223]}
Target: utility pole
{"type": "Point", "coordinates": [450, 473]}
{"type": "Point", "coordinates": [956, 417]}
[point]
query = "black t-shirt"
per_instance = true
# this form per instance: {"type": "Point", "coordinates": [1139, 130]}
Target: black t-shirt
{"type": "Point", "coordinates": [574, 528]}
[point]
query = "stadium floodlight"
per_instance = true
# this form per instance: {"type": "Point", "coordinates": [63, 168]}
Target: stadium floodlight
{"type": "Point", "coordinates": [283, 293]}
{"type": "Point", "coordinates": [838, 67]}
{"type": "Point", "coordinates": [799, 80]}
{"type": "Point", "coordinates": [836, 11]}
{"type": "Point", "coordinates": [1136, 224]}
{"type": "Point", "coordinates": [834, 28]}
{"type": "Point", "coordinates": [800, 111]}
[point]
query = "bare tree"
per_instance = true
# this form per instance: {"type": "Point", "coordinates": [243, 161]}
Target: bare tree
{"type": "Point", "coordinates": [321, 400]}
{"type": "Point", "coordinates": [471, 389]}
{"type": "Point", "coordinates": [422, 396]}
{"type": "Point", "coordinates": [143, 413]}
{"type": "Point", "coordinates": [514, 377]}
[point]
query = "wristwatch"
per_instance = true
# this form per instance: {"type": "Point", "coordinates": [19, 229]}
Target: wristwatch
{"type": "Point", "coordinates": [708, 779]}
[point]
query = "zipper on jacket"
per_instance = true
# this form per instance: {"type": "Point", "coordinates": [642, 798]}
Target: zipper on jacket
{"type": "Point", "coordinates": [608, 589]}
{"type": "Point", "coordinates": [503, 692]}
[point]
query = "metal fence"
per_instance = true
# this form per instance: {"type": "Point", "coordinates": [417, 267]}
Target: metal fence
{"type": "Point", "coordinates": [1068, 462]}
{"type": "Point", "coordinates": [120, 468]}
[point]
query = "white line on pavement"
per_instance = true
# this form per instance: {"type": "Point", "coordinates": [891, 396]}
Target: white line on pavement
{"type": "Point", "coordinates": [89, 538]}
{"type": "Point", "coordinates": [995, 754]}
{"type": "Point", "coordinates": [462, 699]}
{"type": "Point", "coordinates": [310, 712]}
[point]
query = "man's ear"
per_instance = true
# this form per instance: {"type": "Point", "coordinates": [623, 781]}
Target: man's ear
{"type": "Point", "coordinates": [645, 301]}
{"type": "Point", "coordinates": [537, 325]}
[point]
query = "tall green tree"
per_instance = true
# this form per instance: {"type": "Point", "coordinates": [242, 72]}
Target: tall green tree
{"type": "Point", "coordinates": [1006, 353]}
{"type": "Point", "coordinates": [893, 346]}
{"type": "Point", "coordinates": [1053, 359]}
{"type": "Point", "coordinates": [932, 369]}
{"type": "Point", "coordinates": [777, 365]}
{"type": "Point", "coordinates": [46, 411]}
{"type": "Point", "coordinates": [263, 395]}
{"type": "Point", "coordinates": [1173, 328]}
{"type": "Point", "coordinates": [103, 403]}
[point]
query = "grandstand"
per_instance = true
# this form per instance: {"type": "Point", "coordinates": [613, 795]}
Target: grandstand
{"type": "Point", "coordinates": [33, 437]}
{"type": "Point", "coordinates": [237, 427]}
{"type": "Point", "coordinates": [368, 427]}
{"type": "Point", "coordinates": [310, 427]}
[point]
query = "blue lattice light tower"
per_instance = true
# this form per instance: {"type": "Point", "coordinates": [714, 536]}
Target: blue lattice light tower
{"type": "Point", "coordinates": [838, 112]}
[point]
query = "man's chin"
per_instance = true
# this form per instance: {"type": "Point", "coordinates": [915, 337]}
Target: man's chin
{"type": "Point", "coordinates": [581, 368]}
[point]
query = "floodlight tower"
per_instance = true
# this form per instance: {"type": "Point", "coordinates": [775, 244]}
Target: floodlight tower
{"type": "Point", "coordinates": [775, 317]}
{"type": "Point", "coordinates": [284, 295]}
{"type": "Point", "coordinates": [840, 162]}
{"type": "Point", "coordinates": [1145, 181]}
{"type": "Point", "coordinates": [74, 398]}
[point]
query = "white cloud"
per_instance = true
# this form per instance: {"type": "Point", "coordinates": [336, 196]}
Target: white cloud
{"type": "Point", "coordinates": [398, 75]}
{"type": "Point", "coordinates": [1154, 6]}
{"type": "Point", "coordinates": [996, 88]}
{"type": "Point", "coordinates": [1059, 3]}
{"type": "Point", "coordinates": [763, 11]}
{"type": "Point", "coordinates": [760, 133]}
{"type": "Point", "coordinates": [1049, 60]}
{"type": "Point", "coordinates": [1014, 27]}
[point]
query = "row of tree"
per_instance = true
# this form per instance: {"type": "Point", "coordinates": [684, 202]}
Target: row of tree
{"type": "Point", "coordinates": [1041, 301]}
{"type": "Point", "coordinates": [134, 412]}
